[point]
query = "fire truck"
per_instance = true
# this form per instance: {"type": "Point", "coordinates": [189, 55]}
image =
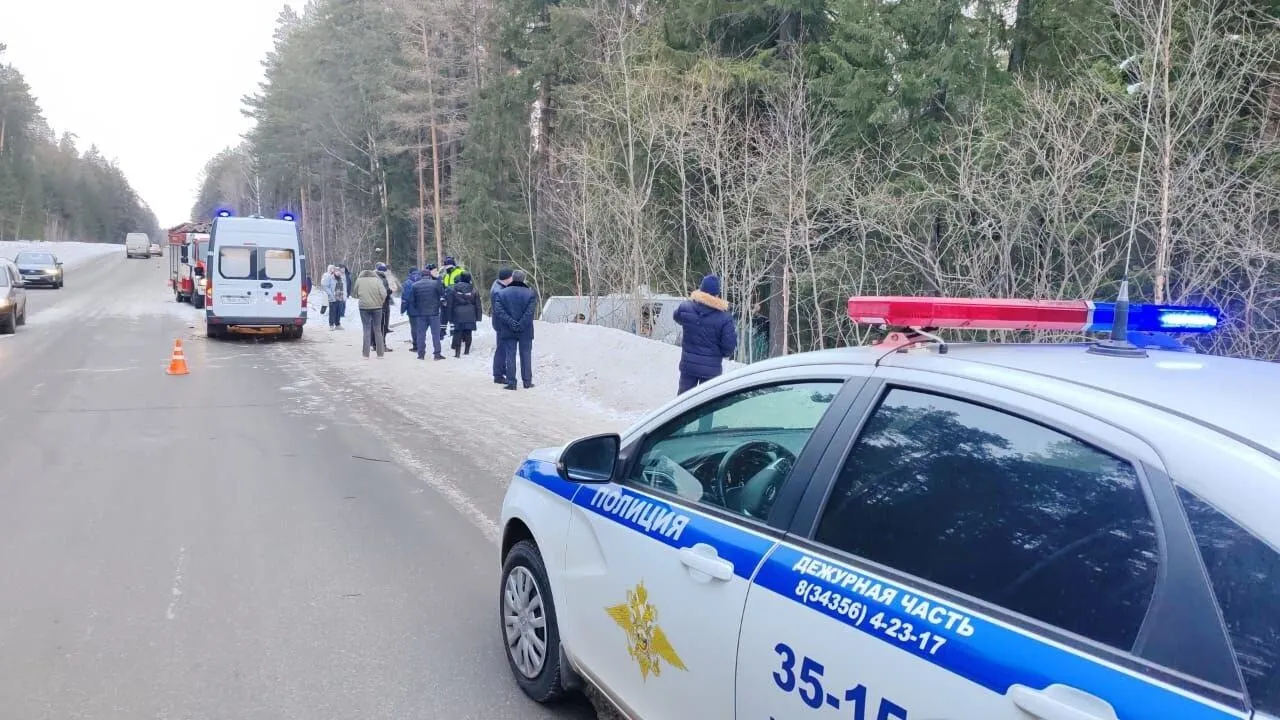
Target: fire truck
{"type": "Point", "coordinates": [188, 246]}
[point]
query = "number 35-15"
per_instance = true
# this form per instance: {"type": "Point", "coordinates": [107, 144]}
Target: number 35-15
{"type": "Point", "coordinates": [807, 680]}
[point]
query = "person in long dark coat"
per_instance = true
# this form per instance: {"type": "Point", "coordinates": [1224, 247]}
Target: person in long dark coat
{"type": "Point", "coordinates": [465, 312]}
{"type": "Point", "coordinates": [513, 311]}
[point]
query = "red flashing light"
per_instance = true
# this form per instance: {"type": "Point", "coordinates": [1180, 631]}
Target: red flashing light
{"type": "Point", "coordinates": [971, 313]}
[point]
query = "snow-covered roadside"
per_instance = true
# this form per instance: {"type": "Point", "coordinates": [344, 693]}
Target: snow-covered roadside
{"type": "Point", "coordinates": [588, 379]}
{"type": "Point", "coordinates": [70, 253]}
{"type": "Point", "coordinates": [609, 372]}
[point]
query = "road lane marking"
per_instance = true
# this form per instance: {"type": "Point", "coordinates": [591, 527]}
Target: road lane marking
{"type": "Point", "coordinates": [176, 591]}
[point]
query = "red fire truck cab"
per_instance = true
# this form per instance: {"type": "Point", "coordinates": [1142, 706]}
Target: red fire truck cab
{"type": "Point", "coordinates": [188, 247]}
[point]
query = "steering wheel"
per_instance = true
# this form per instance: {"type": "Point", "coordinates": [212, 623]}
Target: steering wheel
{"type": "Point", "coordinates": [759, 492]}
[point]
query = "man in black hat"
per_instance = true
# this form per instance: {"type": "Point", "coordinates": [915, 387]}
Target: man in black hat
{"type": "Point", "coordinates": [499, 359]}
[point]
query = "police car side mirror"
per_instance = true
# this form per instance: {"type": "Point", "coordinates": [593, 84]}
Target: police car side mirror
{"type": "Point", "coordinates": [590, 459]}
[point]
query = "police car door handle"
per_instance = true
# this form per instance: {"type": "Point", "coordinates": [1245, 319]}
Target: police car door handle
{"type": "Point", "coordinates": [1061, 702]}
{"type": "Point", "coordinates": [704, 559]}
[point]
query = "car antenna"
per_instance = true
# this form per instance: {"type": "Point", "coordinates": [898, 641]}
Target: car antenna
{"type": "Point", "coordinates": [1118, 344]}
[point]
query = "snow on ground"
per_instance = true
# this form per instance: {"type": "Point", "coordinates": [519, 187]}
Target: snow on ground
{"type": "Point", "coordinates": [611, 373]}
{"type": "Point", "coordinates": [70, 253]}
{"type": "Point", "coordinates": [588, 379]}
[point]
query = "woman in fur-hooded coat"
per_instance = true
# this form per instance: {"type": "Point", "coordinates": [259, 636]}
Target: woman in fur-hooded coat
{"type": "Point", "coordinates": [710, 335]}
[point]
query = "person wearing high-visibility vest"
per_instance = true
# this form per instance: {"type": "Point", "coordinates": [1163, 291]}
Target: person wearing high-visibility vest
{"type": "Point", "coordinates": [451, 272]}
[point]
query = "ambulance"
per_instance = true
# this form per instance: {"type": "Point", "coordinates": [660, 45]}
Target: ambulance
{"type": "Point", "coordinates": [254, 277]}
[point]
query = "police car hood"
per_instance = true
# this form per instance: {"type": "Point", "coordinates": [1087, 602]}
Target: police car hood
{"type": "Point", "coordinates": [547, 454]}
{"type": "Point", "coordinates": [35, 265]}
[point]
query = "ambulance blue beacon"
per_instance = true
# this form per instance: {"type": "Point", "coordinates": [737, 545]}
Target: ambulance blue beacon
{"type": "Point", "coordinates": [920, 530]}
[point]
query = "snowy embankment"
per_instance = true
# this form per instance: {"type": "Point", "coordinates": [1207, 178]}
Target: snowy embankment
{"type": "Point", "coordinates": [69, 253]}
{"type": "Point", "coordinates": [588, 379]}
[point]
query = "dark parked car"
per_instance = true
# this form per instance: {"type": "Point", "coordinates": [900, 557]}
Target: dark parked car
{"type": "Point", "coordinates": [13, 298]}
{"type": "Point", "coordinates": [39, 268]}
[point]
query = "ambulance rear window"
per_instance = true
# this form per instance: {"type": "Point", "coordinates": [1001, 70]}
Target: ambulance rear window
{"type": "Point", "coordinates": [235, 263]}
{"type": "Point", "coordinates": [277, 264]}
{"type": "Point", "coordinates": [1245, 573]}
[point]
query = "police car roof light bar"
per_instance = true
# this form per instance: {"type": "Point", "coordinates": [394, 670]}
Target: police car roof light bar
{"type": "Point", "coordinates": [1081, 316]}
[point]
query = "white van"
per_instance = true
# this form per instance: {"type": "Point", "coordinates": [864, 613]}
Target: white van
{"type": "Point", "coordinates": [254, 276]}
{"type": "Point", "coordinates": [137, 245]}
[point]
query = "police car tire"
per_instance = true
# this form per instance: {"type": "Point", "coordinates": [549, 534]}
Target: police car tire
{"type": "Point", "coordinates": [548, 686]}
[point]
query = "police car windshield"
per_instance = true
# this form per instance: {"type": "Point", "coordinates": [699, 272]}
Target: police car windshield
{"type": "Point", "coordinates": [784, 406]}
{"type": "Point", "coordinates": [34, 258]}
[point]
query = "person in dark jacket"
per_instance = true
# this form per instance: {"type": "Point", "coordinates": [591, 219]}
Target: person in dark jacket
{"type": "Point", "coordinates": [710, 336]}
{"type": "Point", "coordinates": [499, 359]}
{"type": "Point", "coordinates": [413, 275]}
{"type": "Point", "coordinates": [463, 303]}
{"type": "Point", "coordinates": [423, 304]}
{"type": "Point", "coordinates": [513, 311]}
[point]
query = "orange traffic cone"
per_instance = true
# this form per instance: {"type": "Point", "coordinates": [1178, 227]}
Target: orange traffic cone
{"type": "Point", "coordinates": [178, 361]}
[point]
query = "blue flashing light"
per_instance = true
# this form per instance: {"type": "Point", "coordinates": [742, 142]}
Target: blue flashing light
{"type": "Point", "coordinates": [287, 216]}
{"type": "Point", "coordinates": [1156, 318]}
{"type": "Point", "coordinates": [224, 213]}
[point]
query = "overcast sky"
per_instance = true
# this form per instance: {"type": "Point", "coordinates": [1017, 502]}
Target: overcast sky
{"type": "Point", "coordinates": [155, 84]}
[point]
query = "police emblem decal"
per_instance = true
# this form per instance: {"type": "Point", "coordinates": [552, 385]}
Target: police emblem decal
{"type": "Point", "coordinates": [647, 644]}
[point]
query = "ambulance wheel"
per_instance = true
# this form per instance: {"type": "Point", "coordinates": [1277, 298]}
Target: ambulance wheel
{"type": "Point", "coordinates": [527, 622]}
{"type": "Point", "coordinates": [22, 316]}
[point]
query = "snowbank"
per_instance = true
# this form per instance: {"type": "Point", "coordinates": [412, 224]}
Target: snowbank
{"type": "Point", "coordinates": [70, 253]}
{"type": "Point", "coordinates": [609, 373]}
{"type": "Point", "coordinates": [612, 370]}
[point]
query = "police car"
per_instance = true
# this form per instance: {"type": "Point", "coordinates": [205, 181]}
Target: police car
{"type": "Point", "coordinates": [920, 531]}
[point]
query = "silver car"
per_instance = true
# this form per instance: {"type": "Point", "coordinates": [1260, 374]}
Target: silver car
{"type": "Point", "coordinates": [39, 267]}
{"type": "Point", "coordinates": [13, 298]}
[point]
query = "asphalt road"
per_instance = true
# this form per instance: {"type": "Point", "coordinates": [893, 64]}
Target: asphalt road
{"type": "Point", "coordinates": [223, 544]}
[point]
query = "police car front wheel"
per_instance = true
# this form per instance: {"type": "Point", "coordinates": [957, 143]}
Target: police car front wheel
{"type": "Point", "coordinates": [528, 624]}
